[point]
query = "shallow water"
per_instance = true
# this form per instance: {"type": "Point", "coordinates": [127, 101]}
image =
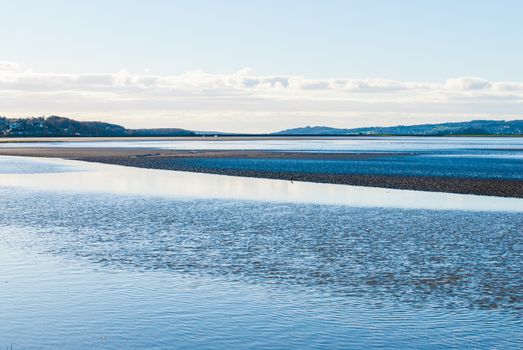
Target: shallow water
{"type": "Point", "coordinates": [100, 256]}
{"type": "Point", "coordinates": [81, 177]}
{"type": "Point", "coordinates": [508, 145]}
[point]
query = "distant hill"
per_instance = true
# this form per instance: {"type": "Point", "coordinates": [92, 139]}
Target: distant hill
{"type": "Point", "coordinates": [475, 127]}
{"type": "Point", "coordinates": [55, 126]}
{"type": "Point", "coordinates": [59, 126]}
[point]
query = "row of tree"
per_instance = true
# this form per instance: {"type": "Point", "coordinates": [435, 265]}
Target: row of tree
{"type": "Point", "coordinates": [59, 126]}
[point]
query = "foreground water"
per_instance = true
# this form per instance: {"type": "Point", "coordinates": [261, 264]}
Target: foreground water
{"type": "Point", "coordinates": [100, 256]}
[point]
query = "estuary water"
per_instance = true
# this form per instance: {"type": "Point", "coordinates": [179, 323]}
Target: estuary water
{"type": "Point", "coordinates": [510, 146]}
{"type": "Point", "coordinates": [108, 257]}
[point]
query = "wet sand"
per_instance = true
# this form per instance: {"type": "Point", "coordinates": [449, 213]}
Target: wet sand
{"type": "Point", "coordinates": [170, 160]}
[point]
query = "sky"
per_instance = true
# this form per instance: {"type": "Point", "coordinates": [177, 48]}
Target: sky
{"type": "Point", "coordinates": [258, 66]}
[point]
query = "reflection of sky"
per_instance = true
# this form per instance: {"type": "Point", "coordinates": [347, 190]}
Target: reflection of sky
{"type": "Point", "coordinates": [92, 177]}
{"type": "Point", "coordinates": [369, 144]}
{"type": "Point", "coordinates": [20, 165]}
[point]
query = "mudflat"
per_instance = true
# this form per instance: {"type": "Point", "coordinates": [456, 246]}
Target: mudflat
{"type": "Point", "coordinates": [212, 161]}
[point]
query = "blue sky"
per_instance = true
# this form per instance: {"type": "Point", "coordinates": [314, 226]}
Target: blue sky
{"type": "Point", "coordinates": [403, 42]}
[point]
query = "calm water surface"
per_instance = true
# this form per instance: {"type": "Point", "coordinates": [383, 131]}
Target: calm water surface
{"type": "Point", "coordinates": [107, 257]}
{"type": "Point", "coordinates": [327, 144]}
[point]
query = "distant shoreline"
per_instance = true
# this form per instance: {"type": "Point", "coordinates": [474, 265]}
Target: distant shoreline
{"type": "Point", "coordinates": [173, 160]}
{"type": "Point", "coordinates": [56, 127]}
{"type": "Point", "coordinates": [244, 137]}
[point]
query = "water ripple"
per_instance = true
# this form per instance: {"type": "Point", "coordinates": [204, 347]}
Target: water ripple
{"type": "Point", "coordinates": [439, 259]}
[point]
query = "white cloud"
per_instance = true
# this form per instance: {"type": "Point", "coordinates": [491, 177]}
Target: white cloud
{"type": "Point", "coordinates": [468, 83]}
{"type": "Point", "coordinates": [8, 66]}
{"type": "Point", "coordinates": [245, 101]}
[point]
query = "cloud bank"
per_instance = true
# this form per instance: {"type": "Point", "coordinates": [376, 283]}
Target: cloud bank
{"type": "Point", "coordinates": [245, 101]}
